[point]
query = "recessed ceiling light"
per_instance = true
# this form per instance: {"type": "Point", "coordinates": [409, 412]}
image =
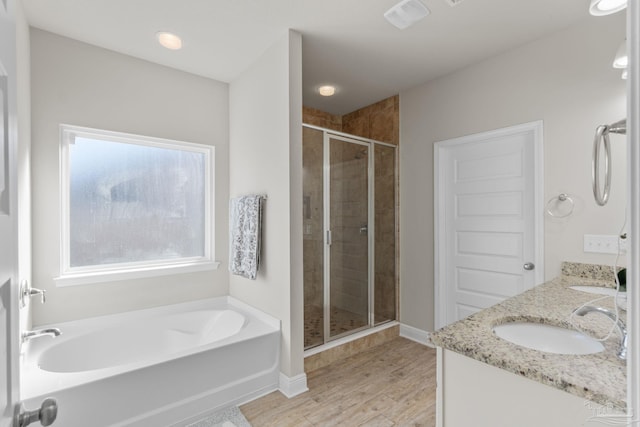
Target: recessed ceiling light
{"type": "Point", "coordinates": [327, 90]}
{"type": "Point", "coordinates": [606, 7]}
{"type": "Point", "coordinates": [169, 40]}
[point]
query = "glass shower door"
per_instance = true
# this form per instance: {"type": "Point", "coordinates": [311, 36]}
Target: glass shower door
{"type": "Point", "coordinates": [348, 236]}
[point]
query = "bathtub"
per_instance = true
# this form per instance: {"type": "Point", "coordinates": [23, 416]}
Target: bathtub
{"type": "Point", "coordinates": [165, 366]}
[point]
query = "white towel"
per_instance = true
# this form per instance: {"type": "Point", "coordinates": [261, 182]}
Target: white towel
{"type": "Point", "coordinates": [245, 230]}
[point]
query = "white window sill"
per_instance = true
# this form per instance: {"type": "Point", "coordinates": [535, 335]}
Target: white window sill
{"type": "Point", "coordinates": [78, 279]}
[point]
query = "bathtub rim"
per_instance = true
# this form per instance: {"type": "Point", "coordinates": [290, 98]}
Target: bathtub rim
{"type": "Point", "coordinates": [218, 302]}
{"type": "Point", "coordinates": [37, 382]}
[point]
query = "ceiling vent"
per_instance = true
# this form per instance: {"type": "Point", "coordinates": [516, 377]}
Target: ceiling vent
{"type": "Point", "coordinates": [406, 13]}
{"type": "Point", "coordinates": [453, 2]}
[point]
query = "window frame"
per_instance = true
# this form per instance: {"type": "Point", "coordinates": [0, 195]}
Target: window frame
{"type": "Point", "coordinates": [70, 276]}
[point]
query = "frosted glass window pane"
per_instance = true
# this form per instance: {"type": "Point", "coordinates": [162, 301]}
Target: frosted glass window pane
{"type": "Point", "coordinates": [133, 203]}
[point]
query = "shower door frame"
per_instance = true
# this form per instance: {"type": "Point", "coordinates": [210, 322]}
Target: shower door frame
{"type": "Point", "coordinates": [327, 134]}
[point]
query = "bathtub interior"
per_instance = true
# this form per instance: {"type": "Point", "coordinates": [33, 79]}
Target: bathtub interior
{"type": "Point", "coordinates": [150, 338]}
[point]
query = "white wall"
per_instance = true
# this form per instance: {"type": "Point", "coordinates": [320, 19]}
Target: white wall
{"type": "Point", "coordinates": [80, 84]}
{"type": "Point", "coordinates": [567, 81]}
{"type": "Point", "coordinates": [265, 158]}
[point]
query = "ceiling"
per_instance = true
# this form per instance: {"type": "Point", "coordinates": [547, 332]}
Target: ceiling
{"type": "Point", "coordinates": [346, 43]}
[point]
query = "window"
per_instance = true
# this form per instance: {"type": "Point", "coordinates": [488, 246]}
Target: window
{"type": "Point", "coordinates": [133, 206]}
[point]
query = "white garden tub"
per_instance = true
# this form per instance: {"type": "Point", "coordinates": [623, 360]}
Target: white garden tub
{"type": "Point", "coordinates": [159, 367]}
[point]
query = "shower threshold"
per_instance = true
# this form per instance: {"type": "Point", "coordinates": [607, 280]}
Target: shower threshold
{"type": "Point", "coordinates": [349, 337]}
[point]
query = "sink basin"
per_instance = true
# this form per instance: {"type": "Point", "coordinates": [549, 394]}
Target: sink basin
{"type": "Point", "coordinates": [594, 290]}
{"type": "Point", "coordinates": [548, 338]}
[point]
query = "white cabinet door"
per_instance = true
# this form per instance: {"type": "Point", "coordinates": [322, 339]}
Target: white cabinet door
{"type": "Point", "coordinates": [487, 216]}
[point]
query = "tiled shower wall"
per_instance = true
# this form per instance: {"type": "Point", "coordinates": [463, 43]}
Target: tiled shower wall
{"type": "Point", "coordinates": [313, 243]}
{"type": "Point", "coordinates": [386, 237]}
{"type": "Point", "coordinates": [379, 121]}
{"type": "Point", "coordinates": [315, 117]}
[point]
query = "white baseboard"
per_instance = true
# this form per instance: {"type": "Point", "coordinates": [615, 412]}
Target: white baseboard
{"type": "Point", "coordinates": [293, 386]}
{"type": "Point", "coordinates": [415, 334]}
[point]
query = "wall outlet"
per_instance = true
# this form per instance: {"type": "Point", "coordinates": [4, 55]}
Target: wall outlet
{"type": "Point", "coordinates": [622, 242]}
{"type": "Point", "coordinates": [604, 244]}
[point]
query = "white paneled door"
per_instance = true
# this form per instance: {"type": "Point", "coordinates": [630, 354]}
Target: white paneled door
{"type": "Point", "coordinates": [12, 413]}
{"type": "Point", "coordinates": [9, 387]}
{"type": "Point", "coordinates": [488, 223]}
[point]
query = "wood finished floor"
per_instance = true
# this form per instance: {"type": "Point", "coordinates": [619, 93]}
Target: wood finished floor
{"type": "Point", "coordinates": [393, 384]}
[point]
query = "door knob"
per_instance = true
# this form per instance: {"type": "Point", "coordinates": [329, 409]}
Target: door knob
{"type": "Point", "coordinates": [46, 414]}
{"type": "Point", "coordinates": [529, 266]}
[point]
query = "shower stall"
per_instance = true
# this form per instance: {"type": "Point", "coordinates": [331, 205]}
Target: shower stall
{"type": "Point", "coordinates": [350, 232]}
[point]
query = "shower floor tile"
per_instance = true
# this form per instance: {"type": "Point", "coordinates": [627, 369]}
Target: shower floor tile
{"type": "Point", "coordinates": [341, 321]}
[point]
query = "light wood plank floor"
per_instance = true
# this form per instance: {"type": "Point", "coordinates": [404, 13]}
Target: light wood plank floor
{"type": "Point", "coordinates": [393, 384]}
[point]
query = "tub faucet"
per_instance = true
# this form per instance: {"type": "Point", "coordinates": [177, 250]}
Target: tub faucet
{"type": "Point", "coordinates": [622, 352]}
{"type": "Point", "coordinates": [52, 332]}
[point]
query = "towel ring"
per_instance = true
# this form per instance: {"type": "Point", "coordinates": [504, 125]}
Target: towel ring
{"type": "Point", "coordinates": [602, 138]}
{"type": "Point", "coordinates": [558, 201]}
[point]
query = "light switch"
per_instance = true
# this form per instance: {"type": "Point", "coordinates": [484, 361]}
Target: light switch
{"type": "Point", "coordinates": [603, 243]}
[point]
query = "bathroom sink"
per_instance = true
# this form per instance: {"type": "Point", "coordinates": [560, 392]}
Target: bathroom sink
{"type": "Point", "coordinates": [548, 338]}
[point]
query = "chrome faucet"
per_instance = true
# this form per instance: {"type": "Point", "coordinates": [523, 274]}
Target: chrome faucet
{"type": "Point", "coordinates": [622, 352]}
{"type": "Point", "coordinates": [27, 292]}
{"type": "Point", "coordinates": [51, 332]}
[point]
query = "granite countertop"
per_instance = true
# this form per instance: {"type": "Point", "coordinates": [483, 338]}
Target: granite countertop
{"type": "Point", "coordinates": [599, 377]}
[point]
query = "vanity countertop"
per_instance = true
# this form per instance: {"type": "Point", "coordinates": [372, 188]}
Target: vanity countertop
{"type": "Point", "coordinates": [599, 377]}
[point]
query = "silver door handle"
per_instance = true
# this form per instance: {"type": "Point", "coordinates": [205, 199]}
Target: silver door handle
{"type": "Point", "coordinates": [46, 414]}
{"type": "Point", "coordinates": [529, 266]}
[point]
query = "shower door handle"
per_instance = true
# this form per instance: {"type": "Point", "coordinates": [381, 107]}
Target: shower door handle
{"type": "Point", "coordinates": [329, 237]}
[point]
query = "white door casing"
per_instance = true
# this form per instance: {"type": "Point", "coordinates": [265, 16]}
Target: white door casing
{"type": "Point", "coordinates": [488, 219]}
{"type": "Point", "coordinates": [633, 197]}
{"type": "Point", "coordinates": [9, 319]}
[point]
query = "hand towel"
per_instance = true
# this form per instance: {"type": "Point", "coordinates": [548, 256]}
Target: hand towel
{"type": "Point", "coordinates": [245, 232]}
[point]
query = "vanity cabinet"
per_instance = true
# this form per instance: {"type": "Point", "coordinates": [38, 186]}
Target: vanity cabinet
{"type": "Point", "coordinates": [472, 393]}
